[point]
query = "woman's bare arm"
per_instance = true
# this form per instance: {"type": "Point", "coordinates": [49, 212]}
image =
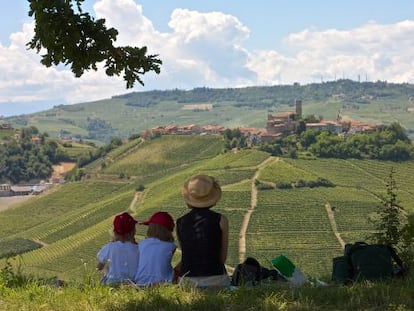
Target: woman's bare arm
{"type": "Point", "coordinates": [224, 225]}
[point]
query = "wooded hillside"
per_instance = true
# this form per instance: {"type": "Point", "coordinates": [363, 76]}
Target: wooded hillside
{"type": "Point", "coordinates": [124, 115]}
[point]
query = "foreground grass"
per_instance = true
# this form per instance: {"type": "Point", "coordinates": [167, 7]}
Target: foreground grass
{"type": "Point", "coordinates": [35, 295]}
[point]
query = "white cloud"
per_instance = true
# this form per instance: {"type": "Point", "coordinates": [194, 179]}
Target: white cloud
{"type": "Point", "coordinates": [207, 49]}
{"type": "Point", "coordinates": [381, 52]}
{"type": "Point", "coordinates": [127, 17]}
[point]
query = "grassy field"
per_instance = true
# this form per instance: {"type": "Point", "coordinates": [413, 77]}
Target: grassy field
{"type": "Point", "coordinates": [59, 234]}
{"type": "Point", "coordinates": [18, 294]}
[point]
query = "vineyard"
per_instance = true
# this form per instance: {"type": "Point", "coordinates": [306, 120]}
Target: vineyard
{"type": "Point", "coordinates": [165, 153]}
{"type": "Point", "coordinates": [59, 234]}
{"type": "Point", "coordinates": [75, 149]}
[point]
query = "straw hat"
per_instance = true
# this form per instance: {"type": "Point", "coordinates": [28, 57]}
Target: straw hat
{"type": "Point", "coordinates": [201, 191]}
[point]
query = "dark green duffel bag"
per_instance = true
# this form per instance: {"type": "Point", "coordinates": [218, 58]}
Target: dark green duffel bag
{"type": "Point", "coordinates": [370, 262]}
{"type": "Point", "coordinates": [362, 261]}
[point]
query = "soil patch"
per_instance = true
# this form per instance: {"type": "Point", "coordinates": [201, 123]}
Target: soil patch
{"type": "Point", "coordinates": [7, 202]}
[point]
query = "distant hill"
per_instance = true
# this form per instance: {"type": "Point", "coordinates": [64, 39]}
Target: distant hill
{"type": "Point", "coordinates": [59, 233]}
{"type": "Point", "coordinates": [128, 114]}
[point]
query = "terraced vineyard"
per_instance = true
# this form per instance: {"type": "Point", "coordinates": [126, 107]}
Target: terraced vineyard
{"type": "Point", "coordinates": [165, 153]}
{"type": "Point", "coordinates": [306, 224]}
{"type": "Point", "coordinates": [69, 198]}
{"type": "Point", "coordinates": [244, 158]}
{"type": "Point", "coordinates": [282, 171]}
{"type": "Point", "coordinates": [76, 149]}
{"type": "Point", "coordinates": [285, 223]}
{"type": "Point", "coordinates": [367, 175]}
{"type": "Point", "coordinates": [57, 229]}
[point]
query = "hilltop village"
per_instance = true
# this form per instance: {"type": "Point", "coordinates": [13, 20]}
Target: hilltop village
{"type": "Point", "coordinates": [277, 126]}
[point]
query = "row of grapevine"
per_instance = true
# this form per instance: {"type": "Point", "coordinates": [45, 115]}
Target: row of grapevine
{"type": "Point", "coordinates": [240, 159]}
{"type": "Point", "coordinates": [166, 152]}
{"type": "Point", "coordinates": [295, 222]}
{"type": "Point", "coordinates": [58, 203]}
{"type": "Point", "coordinates": [284, 172]}
{"type": "Point", "coordinates": [340, 172]}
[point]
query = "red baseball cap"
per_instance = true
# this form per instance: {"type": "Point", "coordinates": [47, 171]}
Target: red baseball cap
{"type": "Point", "coordinates": [124, 223]}
{"type": "Point", "coordinates": [162, 218]}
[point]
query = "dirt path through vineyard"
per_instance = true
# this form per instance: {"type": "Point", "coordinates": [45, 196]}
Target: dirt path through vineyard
{"type": "Point", "coordinates": [249, 211]}
{"type": "Point", "coordinates": [334, 227]}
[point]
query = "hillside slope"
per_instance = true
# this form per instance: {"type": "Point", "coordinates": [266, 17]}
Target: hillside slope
{"type": "Point", "coordinates": [123, 115]}
{"type": "Point", "coordinates": [67, 227]}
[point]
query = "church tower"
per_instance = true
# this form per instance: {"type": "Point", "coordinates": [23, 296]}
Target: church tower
{"type": "Point", "coordinates": [298, 106]}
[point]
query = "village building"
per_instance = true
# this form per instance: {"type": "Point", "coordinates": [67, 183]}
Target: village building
{"type": "Point", "coordinates": [277, 126]}
{"type": "Point", "coordinates": [21, 190]}
{"type": "Point", "coordinates": [330, 126]}
{"type": "Point", "coordinates": [5, 190]}
{"type": "Point", "coordinates": [254, 135]}
{"type": "Point", "coordinates": [283, 124]}
{"type": "Point", "coordinates": [213, 129]}
{"type": "Point", "coordinates": [37, 140]}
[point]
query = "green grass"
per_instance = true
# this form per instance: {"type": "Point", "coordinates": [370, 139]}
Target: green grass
{"type": "Point", "coordinates": [16, 246]}
{"type": "Point", "coordinates": [35, 295]}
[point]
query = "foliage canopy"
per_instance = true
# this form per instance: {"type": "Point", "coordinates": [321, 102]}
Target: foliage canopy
{"type": "Point", "coordinates": [78, 40]}
{"type": "Point", "coordinates": [23, 159]}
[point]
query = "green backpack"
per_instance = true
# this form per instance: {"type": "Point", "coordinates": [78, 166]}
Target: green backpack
{"type": "Point", "coordinates": [362, 261]}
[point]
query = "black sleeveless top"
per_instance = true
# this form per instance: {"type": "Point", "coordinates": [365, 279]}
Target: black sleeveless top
{"type": "Point", "coordinates": [199, 234]}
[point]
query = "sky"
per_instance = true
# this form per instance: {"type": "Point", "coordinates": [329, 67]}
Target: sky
{"type": "Point", "coordinates": [217, 44]}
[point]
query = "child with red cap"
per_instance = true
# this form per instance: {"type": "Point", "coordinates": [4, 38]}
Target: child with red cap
{"type": "Point", "coordinates": [119, 258]}
{"type": "Point", "coordinates": [156, 251]}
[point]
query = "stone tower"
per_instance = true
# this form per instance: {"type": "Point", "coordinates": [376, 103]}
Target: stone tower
{"type": "Point", "coordinates": [298, 106]}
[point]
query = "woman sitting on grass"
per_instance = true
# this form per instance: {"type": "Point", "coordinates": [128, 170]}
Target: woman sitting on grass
{"type": "Point", "coordinates": [203, 235]}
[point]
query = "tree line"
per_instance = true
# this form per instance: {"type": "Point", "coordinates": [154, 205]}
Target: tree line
{"type": "Point", "coordinates": [350, 92]}
{"type": "Point", "coordinates": [387, 142]}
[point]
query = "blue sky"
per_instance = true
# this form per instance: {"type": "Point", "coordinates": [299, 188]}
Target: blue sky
{"type": "Point", "coordinates": [218, 43]}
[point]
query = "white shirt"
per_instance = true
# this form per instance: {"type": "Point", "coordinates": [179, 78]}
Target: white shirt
{"type": "Point", "coordinates": [122, 260]}
{"type": "Point", "coordinates": [155, 262]}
